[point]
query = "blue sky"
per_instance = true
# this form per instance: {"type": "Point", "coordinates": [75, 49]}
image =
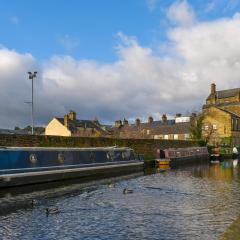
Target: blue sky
{"type": "Point", "coordinates": [87, 29]}
{"type": "Point", "coordinates": [115, 59]}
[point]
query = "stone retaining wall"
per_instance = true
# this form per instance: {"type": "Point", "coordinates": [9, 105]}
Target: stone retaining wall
{"type": "Point", "coordinates": [141, 146]}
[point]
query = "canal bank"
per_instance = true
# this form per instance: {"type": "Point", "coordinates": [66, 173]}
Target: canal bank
{"type": "Point", "coordinates": [233, 231]}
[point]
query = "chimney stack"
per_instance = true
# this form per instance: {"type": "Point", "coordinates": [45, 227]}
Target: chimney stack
{"type": "Point", "coordinates": [118, 123]}
{"type": "Point", "coordinates": [66, 120]}
{"type": "Point", "coordinates": [194, 115]}
{"type": "Point", "coordinates": [125, 122]}
{"type": "Point", "coordinates": [72, 115]}
{"type": "Point", "coordinates": [164, 118]}
{"type": "Point", "coordinates": [193, 118]}
{"type": "Point", "coordinates": [150, 120]}
{"type": "Point", "coordinates": [213, 88]}
{"type": "Point", "coordinates": [137, 122]}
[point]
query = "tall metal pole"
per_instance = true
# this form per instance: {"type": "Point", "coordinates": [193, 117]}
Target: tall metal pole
{"type": "Point", "coordinates": [32, 76]}
{"type": "Point", "coordinates": [32, 109]}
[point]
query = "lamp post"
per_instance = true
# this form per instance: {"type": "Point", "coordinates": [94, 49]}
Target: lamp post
{"type": "Point", "coordinates": [32, 76]}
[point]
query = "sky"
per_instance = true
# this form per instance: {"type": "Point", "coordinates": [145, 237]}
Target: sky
{"type": "Point", "coordinates": [115, 59]}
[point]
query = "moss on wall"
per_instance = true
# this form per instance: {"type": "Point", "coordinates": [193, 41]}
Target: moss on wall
{"type": "Point", "coordinates": [141, 146]}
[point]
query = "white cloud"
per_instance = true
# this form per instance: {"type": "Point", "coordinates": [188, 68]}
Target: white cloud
{"type": "Point", "coordinates": [181, 13]}
{"type": "Point", "coordinates": [14, 86]}
{"type": "Point", "coordinates": [138, 84]}
{"type": "Point", "coordinates": [69, 42]}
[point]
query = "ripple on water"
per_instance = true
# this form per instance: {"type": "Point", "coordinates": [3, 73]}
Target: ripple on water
{"type": "Point", "coordinates": [188, 203]}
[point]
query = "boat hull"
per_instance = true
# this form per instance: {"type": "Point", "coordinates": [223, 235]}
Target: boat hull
{"type": "Point", "coordinates": [19, 179]}
{"type": "Point", "coordinates": [21, 166]}
{"type": "Point", "coordinates": [176, 156]}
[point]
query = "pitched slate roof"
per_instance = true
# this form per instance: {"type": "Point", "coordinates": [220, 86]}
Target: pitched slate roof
{"type": "Point", "coordinates": [75, 124]}
{"type": "Point", "coordinates": [155, 124]}
{"type": "Point", "coordinates": [177, 128]}
{"type": "Point", "coordinates": [226, 93]}
{"type": "Point", "coordinates": [146, 125]}
{"type": "Point", "coordinates": [229, 112]}
{"type": "Point", "coordinates": [160, 129]}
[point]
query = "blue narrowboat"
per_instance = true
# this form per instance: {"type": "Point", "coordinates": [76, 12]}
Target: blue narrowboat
{"type": "Point", "coordinates": [30, 165]}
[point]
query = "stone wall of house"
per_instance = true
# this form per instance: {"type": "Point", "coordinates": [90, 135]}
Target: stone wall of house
{"type": "Point", "coordinates": [141, 146]}
{"type": "Point", "coordinates": [222, 121]}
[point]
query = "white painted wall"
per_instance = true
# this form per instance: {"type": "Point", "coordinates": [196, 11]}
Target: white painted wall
{"type": "Point", "coordinates": [182, 119]}
{"type": "Point", "coordinates": [56, 128]}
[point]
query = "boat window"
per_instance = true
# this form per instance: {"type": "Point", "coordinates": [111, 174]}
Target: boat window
{"type": "Point", "coordinates": [33, 158]}
{"type": "Point", "coordinates": [166, 137]}
{"type": "Point", "coordinates": [175, 136]}
{"type": "Point", "coordinates": [110, 156]}
{"type": "Point", "coordinates": [126, 155]}
{"type": "Point", "coordinates": [61, 158]}
{"type": "Point", "coordinates": [92, 157]}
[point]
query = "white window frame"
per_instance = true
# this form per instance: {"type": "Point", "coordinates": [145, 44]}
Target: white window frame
{"type": "Point", "coordinates": [175, 136]}
{"type": "Point", "coordinates": [166, 136]}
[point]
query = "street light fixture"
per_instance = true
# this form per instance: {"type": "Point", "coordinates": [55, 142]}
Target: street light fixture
{"type": "Point", "coordinates": [32, 76]}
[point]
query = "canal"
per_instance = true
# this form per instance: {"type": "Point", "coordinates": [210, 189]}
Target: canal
{"type": "Point", "coordinates": [191, 202]}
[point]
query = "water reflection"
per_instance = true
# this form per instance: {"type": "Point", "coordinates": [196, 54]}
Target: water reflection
{"type": "Point", "coordinates": [191, 202]}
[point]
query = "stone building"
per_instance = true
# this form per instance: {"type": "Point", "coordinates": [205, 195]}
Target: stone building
{"type": "Point", "coordinates": [71, 126]}
{"type": "Point", "coordinates": [173, 129]}
{"type": "Point", "coordinates": [221, 122]}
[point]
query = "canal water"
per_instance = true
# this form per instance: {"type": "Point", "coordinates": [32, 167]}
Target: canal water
{"type": "Point", "coordinates": [194, 202]}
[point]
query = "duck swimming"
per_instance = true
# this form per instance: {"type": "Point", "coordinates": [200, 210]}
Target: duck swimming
{"type": "Point", "coordinates": [111, 185]}
{"type": "Point", "coordinates": [52, 210]}
{"type": "Point", "coordinates": [126, 191]}
{"type": "Point", "coordinates": [34, 202]}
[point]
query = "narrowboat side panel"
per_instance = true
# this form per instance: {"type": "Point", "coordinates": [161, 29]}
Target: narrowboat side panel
{"type": "Point", "coordinates": [20, 166]}
{"type": "Point", "coordinates": [22, 160]}
{"type": "Point", "coordinates": [183, 155]}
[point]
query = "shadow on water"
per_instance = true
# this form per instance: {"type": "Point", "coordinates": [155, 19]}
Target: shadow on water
{"type": "Point", "coordinates": [15, 198]}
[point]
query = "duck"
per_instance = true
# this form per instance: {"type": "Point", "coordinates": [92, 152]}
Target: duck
{"type": "Point", "coordinates": [111, 185]}
{"type": "Point", "coordinates": [126, 191]}
{"type": "Point", "coordinates": [34, 202]}
{"type": "Point", "coordinates": [52, 210]}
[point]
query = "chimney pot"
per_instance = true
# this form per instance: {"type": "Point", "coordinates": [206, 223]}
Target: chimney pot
{"type": "Point", "coordinates": [213, 88]}
{"type": "Point", "coordinates": [164, 118]}
{"type": "Point", "coordinates": [137, 122]}
{"type": "Point", "coordinates": [150, 120]}
{"type": "Point", "coordinates": [125, 122]}
{"type": "Point", "coordinates": [72, 115]}
{"type": "Point", "coordinates": [118, 123]}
